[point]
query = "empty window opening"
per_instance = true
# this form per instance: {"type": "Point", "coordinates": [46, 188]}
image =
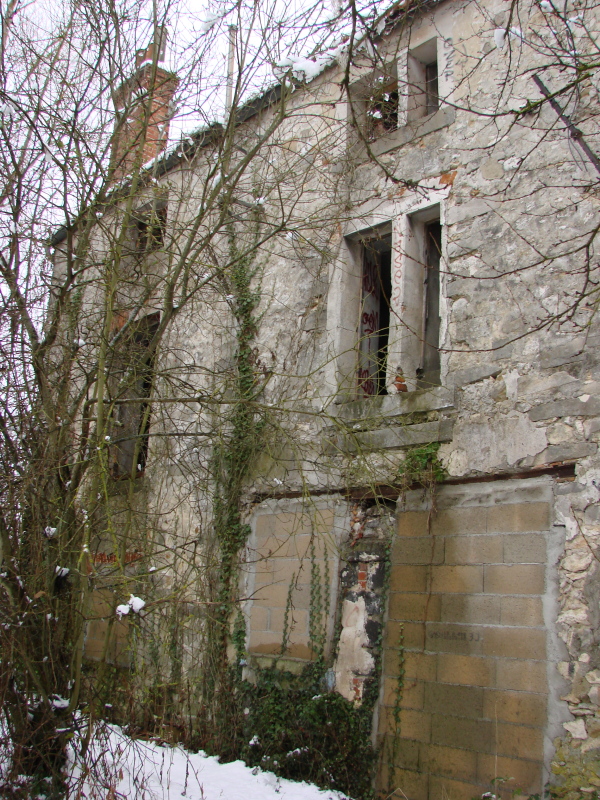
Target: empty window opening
{"type": "Point", "coordinates": [428, 373]}
{"type": "Point", "coordinates": [132, 381]}
{"type": "Point", "coordinates": [422, 78]}
{"type": "Point", "coordinates": [374, 324]}
{"type": "Point", "coordinates": [382, 109]}
{"type": "Point", "coordinates": [432, 98]}
{"type": "Point", "coordinates": [150, 231]}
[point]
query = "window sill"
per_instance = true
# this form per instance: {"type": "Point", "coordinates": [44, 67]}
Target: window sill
{"type": "Point", "coordinates": [393, 437]}
{"type": "Point", "coordinates": [387, 406]}
{"type": "Point", "coordinates": [408, 133]}
{"type": "Point", "coordinates": [376, 423]}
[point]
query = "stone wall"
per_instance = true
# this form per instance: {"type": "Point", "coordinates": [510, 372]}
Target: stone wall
{"type": "Point", "coordinates": [495, 593]}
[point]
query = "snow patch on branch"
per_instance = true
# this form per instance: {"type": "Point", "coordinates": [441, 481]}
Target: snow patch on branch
{"type": "Point", "coordinates": [135, 604]}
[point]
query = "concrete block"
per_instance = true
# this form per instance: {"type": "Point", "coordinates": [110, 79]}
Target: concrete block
{"type": "Point", "coordinates": [418, 666]}
{"type": "Point", "coordinates": [284, 545]}
{"type": "Point", "coordinates": [297, 621]}
{"type": "Point", "coordinates": [449, 762]}
{"type": "Point", "coordinates": [418, 550]}
{"type": "Point", "coordinates": [287, 570]}
{"type": "Point", "coordinates": [459, 521]}
{"type": "Point", "coordinates": [269, 643]}
{"type": "Point", "coordinates": [408, 579]}
{"type": "Point", "coordinates": [263, 526]}
{"type": "Point", "coordinates": [412, 693]}
{"type": "Point", "coordinates": [94, 648]}
{"type": "Point", "coordinates": [406, 755]}
{"type": "Point", "coordinates": [412, 633]}
{"type": "Point", "coordinates": [526, 775]}
{"type": "Point", "coordinates": [473, 550]}
{"type": "Point", "coordinates": [489, 494]}
{"type": "Point", "coordinates": [526, 643]}
{"type": "Point", "coordinates": [441, 787]}
{"type": "Point", "coordinates": [470, 734]}
{"type": "Point", "coordinates": [259, 618]}
{"type": "Point", "coordinates": [518, 741]}
{"type": "Point", "coordinates": [466, 670]}
{"type": "Point", "coordinates": [451, 638]}
{"type": "Point", "coordinates": [521, 708]}
{"type": "Point", "coordinates": [456, 701]}
{"type": "Point", "coordinates": [411, 606]}
{"type": "Point", "coordinates": [462, 579]}
{"type": "Point", "coordinates": [525, 548]}
{"type": "Point", "coordinates": [276, 596]}
{"type": "Point", "coordinates": [415, 725]}
{"type": "Point", "coordinates": [524, 676]}
{"type": "Point", "coordinates": [478, 609]}
{"type": "Point", "coordinates": [517, 517]}
{"type": "Point", "coordinates": [413, 523]}
{"type": "Point", "coordinates": [413, 636]}
{"type": "Point", "coordinates": [514, 579]}
{"type": "Point", "coordinates": [413, 784]}
{"type": "Point", "coordinates": [526, 611]}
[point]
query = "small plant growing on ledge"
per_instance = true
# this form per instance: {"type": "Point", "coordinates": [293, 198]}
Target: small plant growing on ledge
{"type": "Point", "coordinates": [421, 466]}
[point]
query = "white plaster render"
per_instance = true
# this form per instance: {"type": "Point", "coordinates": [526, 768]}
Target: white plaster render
{"type": "Point", "coordinates": [353, 658]}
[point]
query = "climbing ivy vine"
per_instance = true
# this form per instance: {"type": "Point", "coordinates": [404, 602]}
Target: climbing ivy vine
{"type": "Point", "coordinates": [233, 457]}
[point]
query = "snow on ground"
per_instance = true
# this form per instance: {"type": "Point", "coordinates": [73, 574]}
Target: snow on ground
{"type": "Point", "coordinates": [127, 769]}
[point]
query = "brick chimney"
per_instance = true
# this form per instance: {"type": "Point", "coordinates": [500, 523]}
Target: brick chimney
{"type": "Point", "coordinates": [143, 106]}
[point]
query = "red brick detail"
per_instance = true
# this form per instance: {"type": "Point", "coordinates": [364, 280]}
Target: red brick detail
{"type": "Point", "coordinates": [362, 575]}
{"type": "Point", "coordinates": [142, 126]}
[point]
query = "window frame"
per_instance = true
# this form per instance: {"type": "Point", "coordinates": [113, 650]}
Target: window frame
{"type": "Point", "coordinates": [376, 293]}
{"type": "Point", "coordinates": [419, 102]}
{"type": "Point", "coordinates": [420, 108]}
{"type": "Point", "coordinates": [406, 307]}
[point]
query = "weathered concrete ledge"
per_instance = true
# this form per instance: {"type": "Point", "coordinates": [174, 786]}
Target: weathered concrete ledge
{"type": "Point", "coordinates": [386, 406]}
{"type": "Point", "coordinates": [391, 438]}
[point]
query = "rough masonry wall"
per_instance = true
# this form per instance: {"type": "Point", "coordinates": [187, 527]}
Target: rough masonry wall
{"type": "Point", "coordinates": [516, 395]}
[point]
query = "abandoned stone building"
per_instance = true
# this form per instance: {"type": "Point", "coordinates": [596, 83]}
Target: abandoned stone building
{"type": "Point", "coordinates": [416, 238]}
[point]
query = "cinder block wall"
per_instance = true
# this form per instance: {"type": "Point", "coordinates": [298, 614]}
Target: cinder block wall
{"type": "Point", "coordinates": [471, 584]}
{"type": "Point", "coordinates": [279, 557]}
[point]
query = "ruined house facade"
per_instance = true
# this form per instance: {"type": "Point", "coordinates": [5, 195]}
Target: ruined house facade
{"type": "Point", "coordinates": [409, 321]}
